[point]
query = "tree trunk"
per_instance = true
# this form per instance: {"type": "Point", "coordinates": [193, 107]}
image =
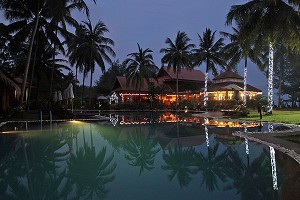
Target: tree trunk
{"type": "Point", "coordinates": [205, 88]}
{"type": "Point", "coordinates": [245, 82]}
{"type": "Point", "coordinates": [280, 82]}
{"type": "Point", "coordinates": [176, 88]}
{"type": "Point", "coordinates": [83, 79]}
{"type": "Point", "coordinates": [32, 70]}
{"type": "Point", "coordinates": [91, 84]}
{"type": "Point", "coordinates": [37, 19]}
{"type": "Point", "coordinates": [76, 75]}
{"type": "Point", "coordinates": [270, 79]}
{"type": "Point", "coordinates": [52, 70]}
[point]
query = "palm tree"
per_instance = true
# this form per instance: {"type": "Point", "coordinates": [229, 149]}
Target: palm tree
{"type": "Point", "coordinates": [89, 47]}
{"type": "Point", "coordinates": [60, 18]}
{"type": "Point", "coordinates": [209, 52]}
{"type": "Point", "coordinates": [140, 68]}
{"type": "Point", "coordinates": [269, 21]}
{"type": "Point", "coordinates": [239, 49]}
{"type": "Point", "coordinates": [28, 15]}
{"type": "Point", "coordinates": [178, 55]}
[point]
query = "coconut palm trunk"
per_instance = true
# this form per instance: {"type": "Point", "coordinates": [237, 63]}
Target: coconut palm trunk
{"type": "Point", "coordinates": [280, 81]}
{"type": "Point", "coordinates": [270, 79]}
{"type": "Point", "coordinates": [32, 70]}
{"type": "Point", "coordinates": [245, 82]}
{"type": "Point", "coordinates": [90, 92]}
{"type": "Point", "coordinates": [176, 88]}
{"type": "Point", "coordinates": [52, 69]}
{"type": "Point", "coordinates": [205, 87]}
{"type": "Point", "coordinates": [34, 30]}
{"type": "Point", "coordinates": [83, 79]}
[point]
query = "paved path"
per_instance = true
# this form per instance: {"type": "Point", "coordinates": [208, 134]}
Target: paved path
{"type": "Point", "coordinates": [274, 139]}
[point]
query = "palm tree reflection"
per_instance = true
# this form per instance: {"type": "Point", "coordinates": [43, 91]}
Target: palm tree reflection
{"type": "Point", "coordinates": [253, 180]}
{"type": "Point", "coordinates": [90, 172]}
{"type": "Point", "coordinates": [212, 167]}
{"type": "Point", "coordinates": [181, 164]}
{"type": "Point", "coordinates": [141, 150]}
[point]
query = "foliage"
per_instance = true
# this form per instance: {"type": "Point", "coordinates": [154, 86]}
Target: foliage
{"type": "Point", "coordinates": [140, 67]}
{"type": "Point", "coordinates": [178, 55]}
{"type": "Point", "coordinates": [105, 83]}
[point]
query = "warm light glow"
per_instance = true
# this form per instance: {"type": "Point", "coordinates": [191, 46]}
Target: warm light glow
{"type": "Point", "coordinates": [75, 121]}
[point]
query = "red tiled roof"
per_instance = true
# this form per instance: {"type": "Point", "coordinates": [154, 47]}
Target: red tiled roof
{"type": "Point", "coordinates": [228, 74]}
{"type": "Point", "coordinates": [164, 77]}
{"type": "Point", "coordinates": [184, 74]}
{"type": "Point", "coordinates": [121, 85]}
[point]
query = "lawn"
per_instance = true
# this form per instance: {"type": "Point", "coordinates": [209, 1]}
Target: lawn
{"type": "Point", "coordinates": [281, 116]}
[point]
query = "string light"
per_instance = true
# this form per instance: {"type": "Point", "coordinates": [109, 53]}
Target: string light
{"type": "Point", "coordinates": [270, 79]}
{"type": "Point", "coordinates": [205, 89]}
{"type": "Point", "coordinates": [273, 165]}
{"type": "Point", "coordinates": [206, 132]}
{"type": "Point", "coordinates": [246, 140]}
{"type": "Point", "coordinates": [245, 85]}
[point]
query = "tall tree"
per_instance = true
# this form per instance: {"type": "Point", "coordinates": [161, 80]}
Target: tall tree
{"type": "Point", "coordinates": [94, 48]}
{"type": "Point", "coordinates": [105, 83]}
{"type": "Point", "coordinates": [238, 49]}
{"type": "Point", "coordinates": [28, 13]}
{"type": "Point", "coordinates": [140, 68]}
{"type": "Point", "coordinates": [269, 21]}
{"type": "Point", "coordinates": [178, 55]}
{"type": "Point", "coordinates": [210, 53]}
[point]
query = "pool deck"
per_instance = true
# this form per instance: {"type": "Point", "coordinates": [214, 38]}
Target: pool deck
{"type": "Point", "coordinates": [274, 139]}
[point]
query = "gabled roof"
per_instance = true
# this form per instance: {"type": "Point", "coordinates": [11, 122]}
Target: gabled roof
{"type": "Point", "coordinates": [184, 74]}
{"type": "Point", "coordinates": [228, 75]}
{"type": "Point", "coordinates": [5, 77]}
{"type": "Point", "coordinates": [227, 86]}
{"type": "Point", "coordinates": [120, 84]}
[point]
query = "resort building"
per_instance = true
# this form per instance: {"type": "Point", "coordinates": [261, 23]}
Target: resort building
{"type": "Point", "coordinates": [190, 84]}
{"type": "Point", "coordinates": [227, 86]}
{"type": "Point", "coordinates": [230, 86]}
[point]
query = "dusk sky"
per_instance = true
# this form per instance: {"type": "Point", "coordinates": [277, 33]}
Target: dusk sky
{"type": "Point", "coordinates": [149, 23]}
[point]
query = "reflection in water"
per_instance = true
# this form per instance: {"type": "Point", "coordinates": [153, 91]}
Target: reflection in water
{"type": "Point", "coordinates": [246, 140]}
{"type": "Point", "coordinates": [212, 167]}
{"type": "Point", "coordinates": [113, 119]}
{"type": "Point", "coordinates": [180, 163]}
{"type": "Point", "coordinates": [273, 165]}
{"type": "Point", "coordinates": [273, 162]}
{"type": "Point", "coordinates": [91, 161]}
{"type": "Point", "coordinates": [270, 127]}
{"type": "Point", "coordinates": [140, 150]}
{"type": "Point", "coordinates": [206, 131]}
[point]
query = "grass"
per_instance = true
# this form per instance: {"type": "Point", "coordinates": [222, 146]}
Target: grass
{"type": "Point", "coordinates": [280, 116]}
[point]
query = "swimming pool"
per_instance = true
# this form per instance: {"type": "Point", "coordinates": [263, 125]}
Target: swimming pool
{"type": "Point", "coordinates": [138, 158]}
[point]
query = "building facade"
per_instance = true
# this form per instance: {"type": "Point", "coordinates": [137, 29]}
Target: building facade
{"type": "Point", "coordinates": [226, 86]}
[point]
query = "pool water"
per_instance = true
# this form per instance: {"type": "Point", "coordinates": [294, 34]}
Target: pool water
{"type": "Point", "coordinates": [167, 160]}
